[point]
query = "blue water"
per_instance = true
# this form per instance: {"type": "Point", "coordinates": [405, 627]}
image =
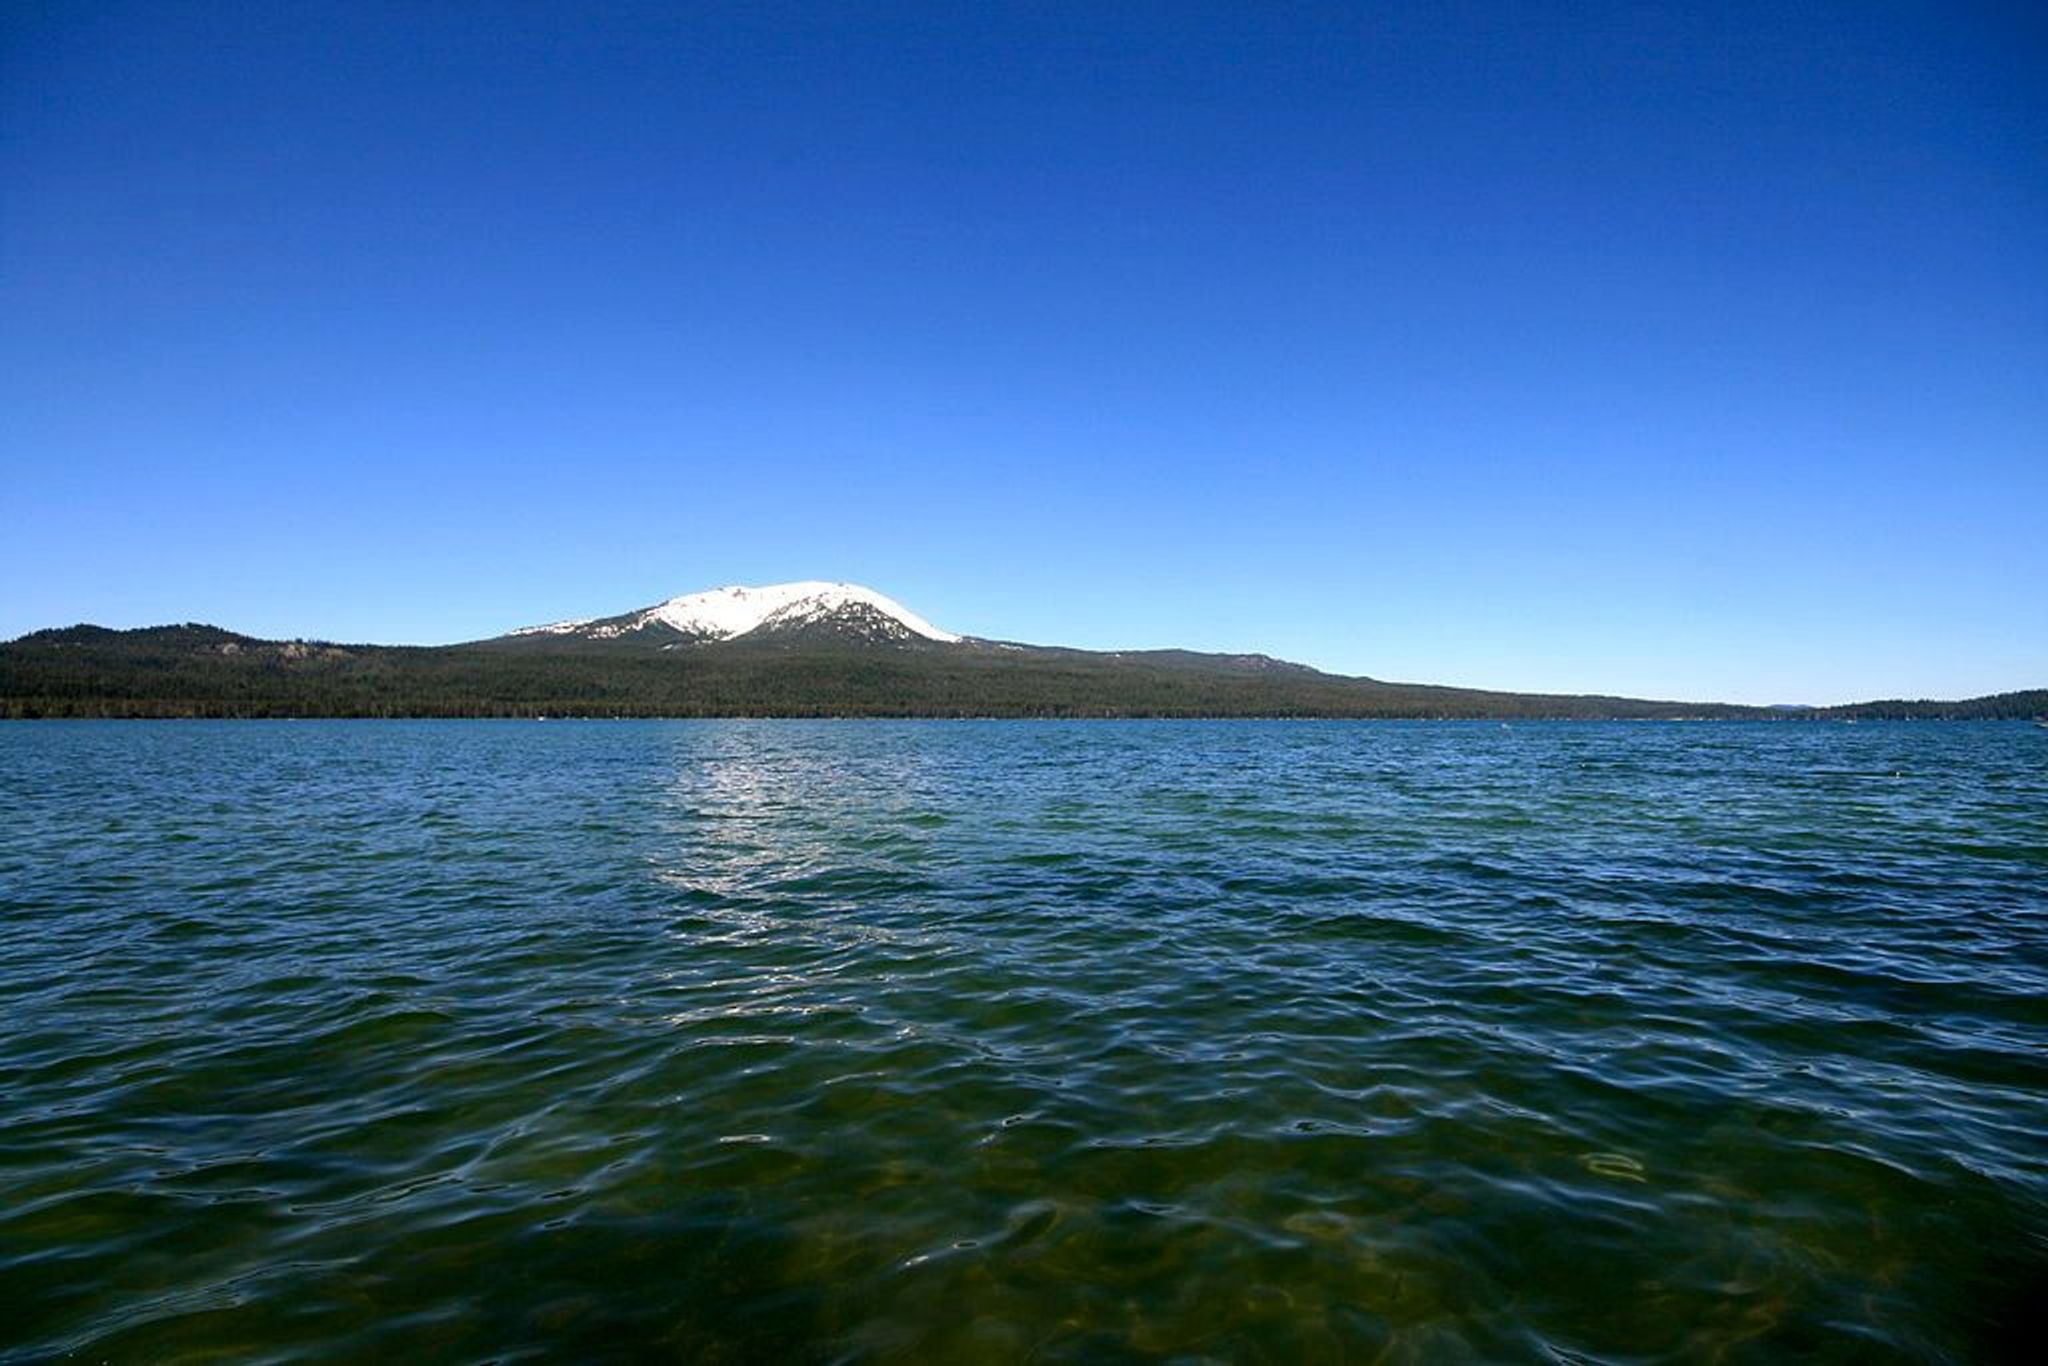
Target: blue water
{"type": "Point", "coordinates": [935, 1041]}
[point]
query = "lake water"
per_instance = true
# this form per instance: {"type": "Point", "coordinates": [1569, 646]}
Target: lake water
{"type": "Point", "coordinates": [987, 1042]}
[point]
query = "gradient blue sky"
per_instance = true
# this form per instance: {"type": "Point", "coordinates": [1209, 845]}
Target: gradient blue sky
{"type": "Point", "coordinates": [1670, 350]}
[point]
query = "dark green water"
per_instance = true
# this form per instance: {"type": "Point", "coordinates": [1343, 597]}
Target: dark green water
{"type": "Point", "coordinates": [1004, 1041]}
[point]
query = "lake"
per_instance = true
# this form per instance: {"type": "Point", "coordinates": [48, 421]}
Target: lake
{"type": "Point", "coordinates": [995, 1041]}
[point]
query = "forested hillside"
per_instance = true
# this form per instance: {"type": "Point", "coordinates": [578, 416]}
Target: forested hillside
{"type": "Point", "coordinates": [197, 670]}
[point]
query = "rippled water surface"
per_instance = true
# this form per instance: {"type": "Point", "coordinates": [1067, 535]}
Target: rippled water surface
{"type": "Point", "coordinates": [1002, 1041]}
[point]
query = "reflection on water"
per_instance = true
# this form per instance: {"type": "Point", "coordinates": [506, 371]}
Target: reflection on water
{"type": "Point", "coordinates": [996, 1041]}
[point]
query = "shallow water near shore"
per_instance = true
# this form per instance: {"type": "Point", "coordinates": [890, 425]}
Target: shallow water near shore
{"type": "Point", "coordinates": [988, 1041]}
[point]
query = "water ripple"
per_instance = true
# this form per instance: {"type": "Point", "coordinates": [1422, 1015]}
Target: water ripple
{"type": "Point", "coordinates": [988, 1041]}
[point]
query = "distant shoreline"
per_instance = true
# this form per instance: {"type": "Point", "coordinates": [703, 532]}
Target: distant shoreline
{"type": "Point", "coordinates": [203, 672]}
{"type": "Point", "coordinates": [870, 717]}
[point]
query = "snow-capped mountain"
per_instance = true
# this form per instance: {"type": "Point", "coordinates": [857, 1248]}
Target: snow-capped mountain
{"type": "Point", "coordinates": [815, 608]}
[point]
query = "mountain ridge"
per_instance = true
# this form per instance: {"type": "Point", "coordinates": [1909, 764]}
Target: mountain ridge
{"type": "Point", "coordinates": [736, 610]}
{"type": "Point", "coordinates": [808, 648]}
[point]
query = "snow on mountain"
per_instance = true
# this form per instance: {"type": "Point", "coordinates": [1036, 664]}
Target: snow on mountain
{"type": "Point", "coordinates": [730, 612]}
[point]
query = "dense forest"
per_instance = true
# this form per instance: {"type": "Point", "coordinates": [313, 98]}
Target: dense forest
{"type": "Point", "coordinates": [2005, 706]}
{"type": "Point", "coordinates": [203, 671]}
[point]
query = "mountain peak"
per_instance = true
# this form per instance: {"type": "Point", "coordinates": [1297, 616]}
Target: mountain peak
{"type": "Point", "coordinates": [744, 610]}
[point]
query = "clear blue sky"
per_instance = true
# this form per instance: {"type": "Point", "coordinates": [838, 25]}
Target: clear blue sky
{"type": "Point", "coordinates": [1680, 350]}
